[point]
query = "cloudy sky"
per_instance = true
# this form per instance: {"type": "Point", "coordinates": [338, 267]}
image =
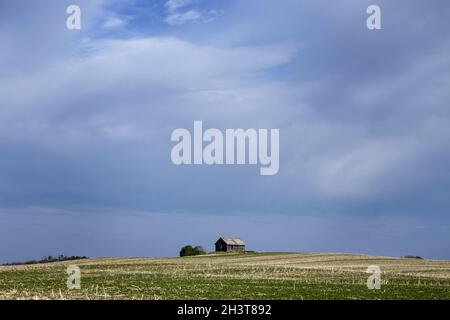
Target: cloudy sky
{"type": "Point", "coordinates": [86, 118]}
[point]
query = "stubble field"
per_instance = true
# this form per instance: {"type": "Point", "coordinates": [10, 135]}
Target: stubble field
{"type": "Point", "coordinates": [231, 276]}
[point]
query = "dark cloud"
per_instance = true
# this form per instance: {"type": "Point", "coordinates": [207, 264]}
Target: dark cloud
{"type": "Point", "coordinates": [363, 115]}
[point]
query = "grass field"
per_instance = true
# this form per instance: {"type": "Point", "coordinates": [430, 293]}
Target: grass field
{"type": "Point", "coordinates": [231, 276]}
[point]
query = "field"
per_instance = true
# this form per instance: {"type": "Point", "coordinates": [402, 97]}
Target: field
{"type": "Point", "coordinates": [231, 276]}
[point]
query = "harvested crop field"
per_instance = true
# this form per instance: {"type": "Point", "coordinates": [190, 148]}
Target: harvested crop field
{"type": "Point", "coordinates": [231, 276]}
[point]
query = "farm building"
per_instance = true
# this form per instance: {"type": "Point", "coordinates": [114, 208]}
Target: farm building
{"type": "Point", "coordinates": [230, 244]}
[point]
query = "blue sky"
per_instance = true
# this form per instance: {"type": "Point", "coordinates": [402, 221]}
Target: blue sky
{"type": "Point", "coordinates": [87, 116]}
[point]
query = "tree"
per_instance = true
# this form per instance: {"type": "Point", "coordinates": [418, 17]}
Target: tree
{"type": "Point", "coordinates": [200, 249]}
{"type": "Point", "coordinates": [191, 251]}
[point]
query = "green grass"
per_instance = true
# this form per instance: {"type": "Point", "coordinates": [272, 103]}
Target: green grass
{"type": "Point", "coordinates": [231, 276]}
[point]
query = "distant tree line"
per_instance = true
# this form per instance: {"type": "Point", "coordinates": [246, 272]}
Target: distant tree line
{"type": "Point", "coordinates": [48, 259]}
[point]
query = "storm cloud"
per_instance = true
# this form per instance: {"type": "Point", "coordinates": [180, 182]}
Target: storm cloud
{"type": "Point", "coordinates": [87, 115]}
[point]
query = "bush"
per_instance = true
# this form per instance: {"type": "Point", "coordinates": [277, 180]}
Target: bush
{"type": "Point", "coordinates": [191, 251]}
{"type": "Point", "coordinates": [200, 249]}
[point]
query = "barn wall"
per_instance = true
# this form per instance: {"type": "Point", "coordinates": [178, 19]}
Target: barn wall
{"type": "Point", "coordinates": [222, 246]}
{"type": "Point", "coordinates": [235, 248]}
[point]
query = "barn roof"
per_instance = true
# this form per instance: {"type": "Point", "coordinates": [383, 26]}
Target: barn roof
{"type": "Point", "coordinates": [233, 241]}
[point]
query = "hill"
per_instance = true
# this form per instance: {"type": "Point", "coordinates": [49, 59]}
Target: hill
{"type": "Point", "coordinates": [231, 276]}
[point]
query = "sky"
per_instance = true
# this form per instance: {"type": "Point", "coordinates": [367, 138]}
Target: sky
{"type": "Point", "coordinates": [86, 119]}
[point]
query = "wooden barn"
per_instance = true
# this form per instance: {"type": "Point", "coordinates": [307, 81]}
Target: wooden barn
{"type": "Point", "coordinates": [229, 244]}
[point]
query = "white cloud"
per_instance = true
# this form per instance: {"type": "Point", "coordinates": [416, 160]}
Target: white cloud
{"type": "Point", "coordinates": [178, 19]}
{"type": "Point", "coordinates": [114, 22]}
{"type": "Point", "coordinates": [173, 5]}
{"type": "Point", "coordinates": [165, 72]}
